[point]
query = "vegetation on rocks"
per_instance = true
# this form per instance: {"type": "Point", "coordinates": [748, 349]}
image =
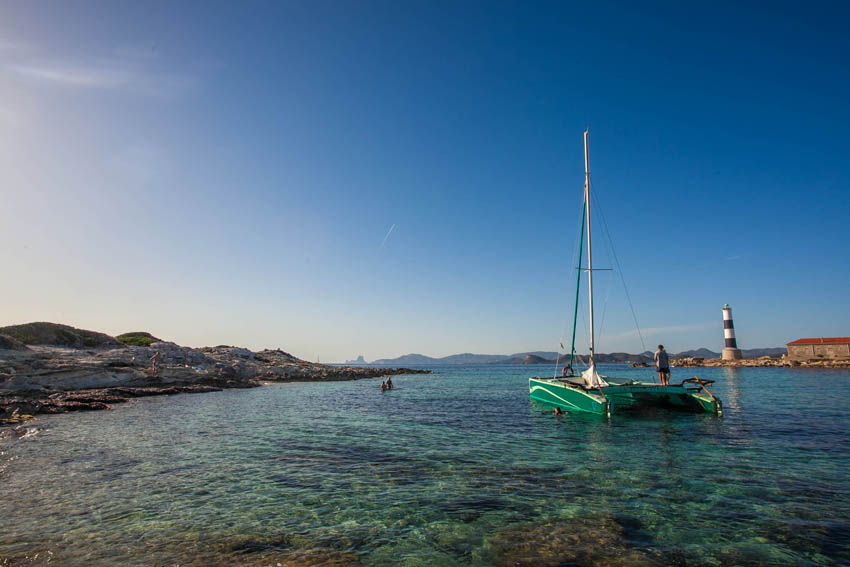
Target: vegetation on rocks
{"type": "Point", "coordinates": [54, 334]}
{"type": "Point", "coordinates": [11, 343]}
{"type": "Point", "coordinates": [137, 338]}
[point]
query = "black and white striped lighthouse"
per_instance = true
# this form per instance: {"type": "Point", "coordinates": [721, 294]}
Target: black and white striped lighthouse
{"type": "Point", "coordinates": [731, 350]}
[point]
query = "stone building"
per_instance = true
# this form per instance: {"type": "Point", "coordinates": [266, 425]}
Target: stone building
{"type": "Point", "coordinates": [819, 349]}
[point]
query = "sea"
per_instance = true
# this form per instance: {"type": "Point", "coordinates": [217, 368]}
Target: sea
{"type": "Point", "coordinates": [458, 467]}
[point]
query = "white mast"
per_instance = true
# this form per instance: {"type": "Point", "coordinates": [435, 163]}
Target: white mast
{"type": "Point", "coordinates": [590, 376]}
{"type": "Point", "coordinates": [589, 251]}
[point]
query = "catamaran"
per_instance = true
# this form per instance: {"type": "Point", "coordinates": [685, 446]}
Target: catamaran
{"type": "Point", "coordinates": [594, 393]}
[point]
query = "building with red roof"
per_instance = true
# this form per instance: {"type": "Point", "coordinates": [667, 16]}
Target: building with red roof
{"type": "Point", "coordinates": [819, 349]}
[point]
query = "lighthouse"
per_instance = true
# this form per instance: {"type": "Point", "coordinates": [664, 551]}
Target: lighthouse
{"type": "Point", "coordinates": [731, 350]}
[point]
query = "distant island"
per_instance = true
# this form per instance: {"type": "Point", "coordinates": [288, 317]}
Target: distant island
{"type": "Point", "coordinates": [550, 357]}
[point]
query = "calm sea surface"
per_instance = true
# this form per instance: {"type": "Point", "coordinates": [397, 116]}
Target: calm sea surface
{"type": "Point", "coordinates": [455, 468]}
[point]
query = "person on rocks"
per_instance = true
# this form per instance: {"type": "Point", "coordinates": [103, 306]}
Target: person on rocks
{"type": "Point", "coordinates": [155, 363]}
{"type": "Point", "coordinates": [662, 365]}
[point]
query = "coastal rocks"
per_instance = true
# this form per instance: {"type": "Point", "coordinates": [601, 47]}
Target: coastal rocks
{"type": "Point", "coordinates": [171, 353]}
{"type": "Point", "coordinates": [229, 352]}
{"type": "Point", "coordinates": [55, 379]}
{"type": "Point", "coordinates": [759, 362]}
{"type": "Point", "coordinates": [88, 400]}
{"type": "Point", "coordinates": [16, 417]}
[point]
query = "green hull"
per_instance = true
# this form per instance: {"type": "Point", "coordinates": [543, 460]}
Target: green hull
{"type": "Point", "coordinates": [619, 397]}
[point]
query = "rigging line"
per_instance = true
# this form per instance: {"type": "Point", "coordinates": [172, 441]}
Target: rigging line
{"type": "Point", "coordinates": [578, 286]}
{"type": "Point", "coordinates": [576, 247]}
{"type": "Point", "coordinates": [619, 268]}
{"type": "Point", "coordinates": [584, 325]}
{"type": "Point", "coordinates": [602, 320]}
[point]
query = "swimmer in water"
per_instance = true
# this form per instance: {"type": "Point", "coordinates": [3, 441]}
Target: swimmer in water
{"type": "Point", "coordinates": [558, 411]}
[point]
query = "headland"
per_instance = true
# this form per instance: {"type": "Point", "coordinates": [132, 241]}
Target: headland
{"type": "Point", "coordinates": [52, 368]}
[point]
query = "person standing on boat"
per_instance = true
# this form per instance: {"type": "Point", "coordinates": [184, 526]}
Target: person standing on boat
{"type": "Point", "coordinates": [662, 365]}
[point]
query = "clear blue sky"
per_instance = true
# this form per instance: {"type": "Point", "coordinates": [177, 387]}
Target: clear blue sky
{"type": "Point", "coordinates": [228, 172]}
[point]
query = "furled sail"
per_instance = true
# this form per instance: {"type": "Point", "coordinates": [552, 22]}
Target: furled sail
{"type": "Point", "coordinates": [592, 379]}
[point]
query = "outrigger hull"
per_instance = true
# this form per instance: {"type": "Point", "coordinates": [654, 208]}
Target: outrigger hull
{"type": "Point", "coordinates": [606, 400]}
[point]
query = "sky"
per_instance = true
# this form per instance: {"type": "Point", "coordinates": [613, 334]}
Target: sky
{"type": "Point", "coordinates": [380, 178]}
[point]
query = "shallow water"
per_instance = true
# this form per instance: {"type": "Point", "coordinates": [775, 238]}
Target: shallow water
{"type": "Point", "coordinates": [455, 468]}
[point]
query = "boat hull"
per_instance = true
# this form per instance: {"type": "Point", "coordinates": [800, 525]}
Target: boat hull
{"type": "Point", "coordinates": [620, 397]}
{"type": "Point", "coordinates": [567, 396]}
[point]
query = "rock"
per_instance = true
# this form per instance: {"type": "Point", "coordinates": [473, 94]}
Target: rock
{"type": "Point", "coordinates": [62, 406]}
{"type": "Point", "coordinates": [590, 542]}
{"type": "Point", "coordinates": [54, 379]}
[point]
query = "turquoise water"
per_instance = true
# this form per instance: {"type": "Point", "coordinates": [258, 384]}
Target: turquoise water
{"type": "Point", "coordinates": [455, 468]}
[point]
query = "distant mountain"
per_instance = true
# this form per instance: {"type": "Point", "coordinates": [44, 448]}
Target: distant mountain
{"type": "Point", "coordinates": [533, 359]}
{"type": "Point", "coordinates": [622, 358]}
{"type": "Point", "coordinates": [358, 360]}
{"type": "Point", "coordinates": [409, 359]}
{"type": "Point", "coordinates": [757, 352]}
{"type": "Point", "coordinates": [745, 352]}
{"type": "Point", "coordinates": [697, 353]}
{"type": "Point", "coordinates": [549, 357]}
{"type": "Point", "coordinates": [469, 358]}
{"type": "Point", "coordinates": [466, 358]}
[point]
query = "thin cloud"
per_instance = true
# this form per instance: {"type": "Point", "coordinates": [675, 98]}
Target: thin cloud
{"type": "Point", "coordinates": [105, 78]}
{"type": "Point", "coordinates": [653, 331]}
{"type": "Point", "coordinates": [74, 76]}
{"type": "Point", "coordinates": [129, 69]}
{"type": "Point", "coordinates": [384, 241]}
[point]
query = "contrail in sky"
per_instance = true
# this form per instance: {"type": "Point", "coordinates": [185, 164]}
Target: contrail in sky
{"type": "Point", "coordinates": [387, 236]}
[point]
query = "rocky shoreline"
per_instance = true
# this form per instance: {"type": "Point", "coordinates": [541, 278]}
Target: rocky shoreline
{"type": "Point", "coordinates": [50, 379]}
{"type": "Point", "coordinates": [760, 362]}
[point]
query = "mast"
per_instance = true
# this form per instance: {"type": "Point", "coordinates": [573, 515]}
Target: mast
{"type": "Point", "coordinates": [589, 251]}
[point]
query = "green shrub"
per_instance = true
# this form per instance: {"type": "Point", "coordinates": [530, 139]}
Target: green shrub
{"type": "Point", "coordinates": [138, 338]}
{"type": "Point", "coordinates": [54, 334]}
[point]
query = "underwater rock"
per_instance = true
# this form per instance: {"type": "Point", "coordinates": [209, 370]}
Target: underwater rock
{"type": "Point", "coordinates": [583, 542]}
{"type": "Point", "coordinates": [298, 558]}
